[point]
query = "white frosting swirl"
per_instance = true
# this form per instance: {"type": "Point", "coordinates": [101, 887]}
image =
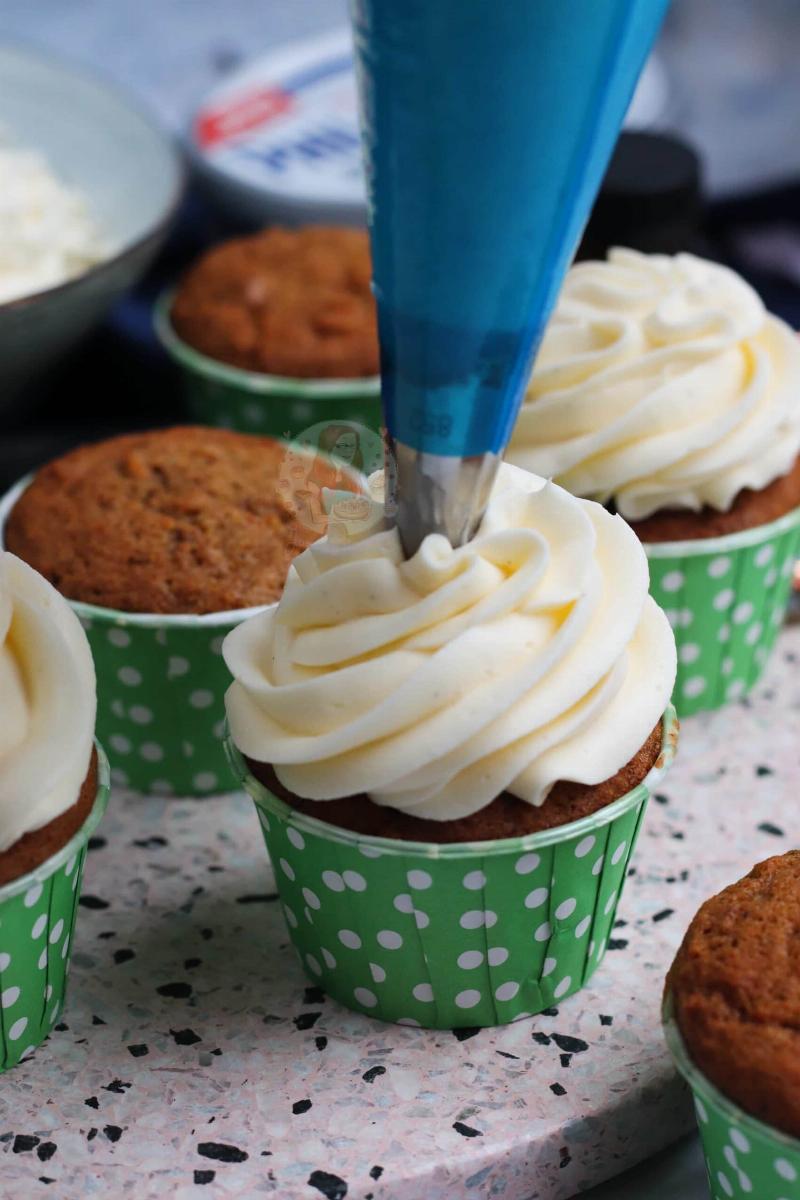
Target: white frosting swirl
{"type": "Point", "coordinates": [661, 383]}
{"type": "Point", "coordinates": [47, 688]}
{"type": "Point", "coordinates": [531, 654]}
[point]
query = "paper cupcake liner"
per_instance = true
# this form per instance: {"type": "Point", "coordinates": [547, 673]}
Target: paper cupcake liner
{"type": "Point", "coordinates": [442, 936]}
{"type": "Point", "coordinates": [726, 600]}
{"type": "Point", "coordinates": [274, 405]}
{"type": "Point", "coordinates": [37, 921]}
{"type": "Point", "coordinates": [161, 682]}
{"type": "Point", "coordinates": [745, 1159]}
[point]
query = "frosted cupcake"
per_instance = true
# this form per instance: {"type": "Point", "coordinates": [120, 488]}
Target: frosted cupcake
{"type": "Point", "coordinates": [665, 391]}
{"type": "Point", "coordinates": [53, 789]}
{"type": "Point", "coordinates": [451, 755]}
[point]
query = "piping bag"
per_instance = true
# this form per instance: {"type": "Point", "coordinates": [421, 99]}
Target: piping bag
{"type": "Point", "coordinates": [487, 127]}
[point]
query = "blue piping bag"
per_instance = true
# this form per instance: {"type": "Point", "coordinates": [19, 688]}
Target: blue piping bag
{"type": "Point", "coordinates": [487, 128]}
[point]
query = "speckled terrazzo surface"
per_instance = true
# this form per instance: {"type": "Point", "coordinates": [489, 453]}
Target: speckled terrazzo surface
{"type": "Point", "coordinates": [193, 1053]}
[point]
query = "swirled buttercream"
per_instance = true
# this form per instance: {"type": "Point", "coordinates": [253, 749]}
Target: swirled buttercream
{"type": "Point", "coordinates": [47, 688]}
{"type": "Point", "coordinates": [661, 383]}
{"type": "Point", "coordinates": [529, 655]}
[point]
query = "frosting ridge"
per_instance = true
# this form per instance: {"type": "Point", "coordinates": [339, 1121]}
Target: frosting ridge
{"type": "Point", "coordinates": [662, 382]}
{"type": "Point", "coordinates": [531, 654]}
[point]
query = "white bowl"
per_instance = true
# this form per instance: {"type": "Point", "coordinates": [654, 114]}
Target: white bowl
{"type": "Point", "coordinates": [131, 175]}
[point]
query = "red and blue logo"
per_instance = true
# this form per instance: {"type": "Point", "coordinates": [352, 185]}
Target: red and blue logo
{"type": "Point", "coordinates": [257, 107]}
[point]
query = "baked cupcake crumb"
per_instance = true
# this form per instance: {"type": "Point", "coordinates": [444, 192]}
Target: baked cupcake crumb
{"type": "Point", "coordinates": [284, 302]}
{"type": "Point", "coordinates": [506, 816]}
{"type": "Point", "coordinates": [736, 991]}
{"type": "Point", "coordinates": [749, 509]}
{"type": "Point", "coordinates": [182, 520]}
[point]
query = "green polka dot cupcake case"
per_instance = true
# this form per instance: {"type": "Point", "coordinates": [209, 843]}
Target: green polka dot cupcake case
{"type": "Point", "coordinates": [273, 405]}
{"type": "Point", "coordinates": [726, 600]}
{"type": "Point", "coordinates": [37, 922]}
{"type": "Point", "coordinates": [745, 1159]}
{"type": "Point", "coordinates": [160, 687]}
{"type": "Point", "coordinates": [161, 680]}
{"type": "Point", "coordinates": [448, 935]}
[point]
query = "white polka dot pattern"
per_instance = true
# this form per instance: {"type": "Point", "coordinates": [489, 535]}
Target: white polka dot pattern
{"type": "Point", "coordinates": [160, 703]}
{"type": "Point", "coordinates": [745, 1159]}
{"type": "Point", "coordinates": [673, 581]}
{"type": "Point", "coordinates": [470, 959]}
{"type": "Point", "coordinates": [496, 956]}
{"type": "Point", "coordinates": [536, 898]}
{"type": "Point", "coordinates": [413, 938]}
{"type": "Point", "coordinates": [365, 997]}
{"type": "Point", "coordinates": [350, 939]}
{"type": "Point", "coordinates": [736, 600]}
{"type": "Point", "coordinates": [474, 881]}
{"type": "Point", "coordinates": [35, 938]}
{"type": "Point", "coordinates": [507, 990]}
{"type": "Point", "coordinates": [526, 864]}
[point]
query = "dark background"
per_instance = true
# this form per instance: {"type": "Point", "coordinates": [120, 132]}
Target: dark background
{"type": "Point", "coordinates": [726, 78]}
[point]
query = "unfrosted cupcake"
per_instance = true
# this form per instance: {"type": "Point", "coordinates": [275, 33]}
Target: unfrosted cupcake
{"type": "Point", "coordinates": [53, 787]}
{"type": "Point", "coordinates": [277, 331]}
{"type": "Point", "coordinates": [451, 754]}
{"type": "Point", "coordinates": [732, 1009]}
{"type": "Point", "coordinates": [162, 540]}
{"type": "Point", "coordinates": [664, 390]}
{"type": "Point", "coordinates": [293, 302]}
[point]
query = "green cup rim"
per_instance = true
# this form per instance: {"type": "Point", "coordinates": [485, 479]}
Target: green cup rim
{"type": "Point", "coordinates": [726, 542]}
{"type": "Point", "coordinates": [702, 1085]}
{"type": "Point", "coordinates": [263, 798]}
{"type": "Point", "coordinates": [253, 382]}
{"type": "Point", "coordinates": [78, 839]}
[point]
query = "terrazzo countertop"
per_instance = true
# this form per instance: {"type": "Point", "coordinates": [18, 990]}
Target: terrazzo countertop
{"type": "Point", "coordinates": [193, 1052]}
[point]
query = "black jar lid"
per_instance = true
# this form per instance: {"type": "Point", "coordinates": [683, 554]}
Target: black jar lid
{"type": "Point", "coordinates": [650, 199]}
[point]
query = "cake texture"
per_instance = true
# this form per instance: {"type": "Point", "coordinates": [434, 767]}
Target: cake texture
{"type": "Point", "coordinates": [736, 992]}
{"type": "Point", "coordinates": [463, 678]}
{"type": "Point", "coordinates": [284, 302]}
{"type": "Point", "coordinates": [182, 520]}
{"type": "Point", "coordinates": [749, 509]}
{"type": "Point", "coordinates": [504, 817]}
{"type": "Point", "coordinates": [663, 386]}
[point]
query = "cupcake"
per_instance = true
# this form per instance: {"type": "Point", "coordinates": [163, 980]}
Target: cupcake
{"type": "Point", "coordinates": [451, 755]}
{"type": "Point", "coordinates": [163, 541]}
{"type": "Point", "coordinates": [277, 331]}
{"type": "Point", "coordinates": [53, 790]}
{"type": "Point", "coordinates": [732, 1020]}
{"type": "Point", "coordinates": [665, 391]}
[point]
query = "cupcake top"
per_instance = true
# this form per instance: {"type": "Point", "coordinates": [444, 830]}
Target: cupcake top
{"type": "Point", "coordinates": [530, 655]}
{"type": "Point", "coordinates": [736, 991]}
{"type": "Point", "coordinates": [47, 692]}
{"type": "Point", "coordinates": [662, 383]}
{"type": "Point", "coordinates": [184, 520]}
{"type": "Point", "coordinates": [284, 302]}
